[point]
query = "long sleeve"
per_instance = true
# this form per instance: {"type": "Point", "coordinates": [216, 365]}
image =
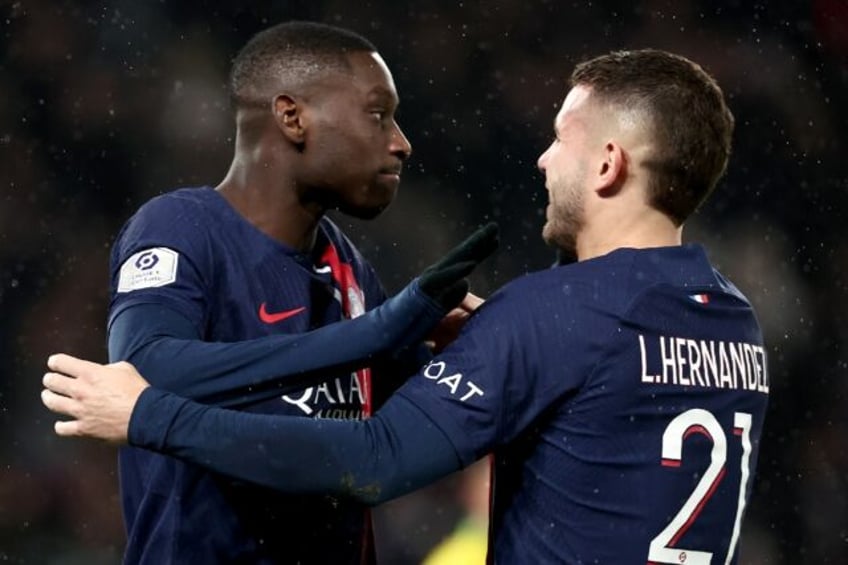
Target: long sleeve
{"type": "Point", "coordinates": [165, 347]}
{"type": "Point", "coordinates": [396, 451]}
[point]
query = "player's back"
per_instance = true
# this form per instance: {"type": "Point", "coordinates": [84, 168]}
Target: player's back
{"type": "Point", "coordinates": [648, 458]}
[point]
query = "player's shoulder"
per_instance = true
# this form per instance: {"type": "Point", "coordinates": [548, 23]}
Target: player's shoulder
{"type": "Point", "coordinates": [584, 279]}
{"type": "Point", "coordinates": [612, 282]}
{"type": "Point", "coordinates": [686, 270]}
{"type": "Point", "coordinates": [178, 204]}
{"type": "Point", "coordinates": [559, 291]}
{"type": "Point", "coordinates": [189, 211]}
{"type": "Point", "coordinates": [181, 219]}
{"type": "Point", "coordinates": [727, 287]}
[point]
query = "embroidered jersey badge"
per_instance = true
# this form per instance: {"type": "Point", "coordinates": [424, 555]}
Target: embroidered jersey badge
{"type": "Point", "coordinates": [148, 268]}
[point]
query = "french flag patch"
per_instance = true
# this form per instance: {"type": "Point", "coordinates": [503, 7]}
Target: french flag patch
{"type": "Point", "coordinates": [700, 298]}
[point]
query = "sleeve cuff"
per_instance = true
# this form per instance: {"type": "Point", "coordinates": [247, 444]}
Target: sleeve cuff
{"type": "Point", "coordinates": [151, 418]}
{"type": "Point", "coordinates": [411, 314]}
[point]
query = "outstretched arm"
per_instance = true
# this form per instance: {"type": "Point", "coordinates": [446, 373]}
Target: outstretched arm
{"type": "Point", "coordinates": [166, 347]}
{"type": "Point", "coordinates": [397, 451]}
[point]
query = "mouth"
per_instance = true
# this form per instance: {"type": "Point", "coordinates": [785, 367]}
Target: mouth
{"type": "Point", "coordinates": [391, 175]}
{"type": "Point", "coordinates": [393, 169]}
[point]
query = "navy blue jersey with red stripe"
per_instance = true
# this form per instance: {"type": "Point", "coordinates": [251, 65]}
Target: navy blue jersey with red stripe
{"type": "Point", "coordinates": [191, 252]}
{"type": "Point", "coordinates": [623, 398]}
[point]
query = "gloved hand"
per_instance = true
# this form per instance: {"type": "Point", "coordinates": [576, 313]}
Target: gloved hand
{"type": "Point", "coordinates": [445, 281]}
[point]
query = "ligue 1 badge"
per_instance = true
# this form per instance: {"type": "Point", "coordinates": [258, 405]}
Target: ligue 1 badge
{"type": "Point", "coordinates": [148, 268]}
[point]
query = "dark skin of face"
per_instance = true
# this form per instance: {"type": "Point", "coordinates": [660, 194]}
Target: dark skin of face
{"type": "Point", "coordinates": [335, 145]}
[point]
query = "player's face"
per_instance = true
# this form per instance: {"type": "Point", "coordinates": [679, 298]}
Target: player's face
{"type": "Point", "coordinates": [356, 148]}
{"type": "Point", "coordinates": [565, 167]}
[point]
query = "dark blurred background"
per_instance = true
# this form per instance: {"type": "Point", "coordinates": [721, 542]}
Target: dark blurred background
{"type": "Point", "coordinates": [104, 105]}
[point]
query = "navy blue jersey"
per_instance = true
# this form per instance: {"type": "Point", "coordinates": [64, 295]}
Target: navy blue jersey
{"type": "Point", "coordinates": [623, 398]}
{"type": "Point", "coordinates": [191, 252]}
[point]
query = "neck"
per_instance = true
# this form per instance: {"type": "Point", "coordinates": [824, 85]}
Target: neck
{"type": "Point", "coordinates": [649, 228]}
{"type": "Point", "coordinates": [260, 187]}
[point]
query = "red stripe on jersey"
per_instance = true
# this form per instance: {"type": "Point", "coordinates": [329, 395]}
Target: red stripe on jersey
{"type": "Point", "coordinates": [353, 305]}
{"type": "Point", "coordinates": [342, 274]}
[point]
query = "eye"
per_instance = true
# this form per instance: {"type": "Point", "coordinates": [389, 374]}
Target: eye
{"type": "Point", "coordinates": [381, 118]}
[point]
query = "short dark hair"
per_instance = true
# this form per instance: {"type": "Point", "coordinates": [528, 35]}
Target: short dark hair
{"type": "Point", "coordinates": [685, 109]}
{"type": "Point", "coordinates": [290, 54]}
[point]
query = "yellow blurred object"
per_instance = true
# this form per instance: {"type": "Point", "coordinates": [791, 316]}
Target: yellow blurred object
{"type": "Point", "coordinates": [466, 545]}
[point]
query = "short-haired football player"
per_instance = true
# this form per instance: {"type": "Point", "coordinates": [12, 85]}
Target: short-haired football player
{"type": "Point", "coordinates": [246, 295]}
{"type": "Point", "coordinates": [623, 395]}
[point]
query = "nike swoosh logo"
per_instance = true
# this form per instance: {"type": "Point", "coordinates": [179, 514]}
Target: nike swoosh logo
{"type": "Point", "coordinates": [273, 318]}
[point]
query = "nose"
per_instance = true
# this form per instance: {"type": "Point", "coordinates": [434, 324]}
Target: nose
{"type": "Point", "coordinates": [399, 144]}
{"type": "Point", "coordinates": [541, 162]}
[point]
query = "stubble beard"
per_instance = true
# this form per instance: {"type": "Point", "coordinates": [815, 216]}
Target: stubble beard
{"type": "Point", "coordinates": [566, 218]}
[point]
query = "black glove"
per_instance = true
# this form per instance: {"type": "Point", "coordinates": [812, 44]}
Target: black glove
{"type": "Point", "coordinates": [445, 281]}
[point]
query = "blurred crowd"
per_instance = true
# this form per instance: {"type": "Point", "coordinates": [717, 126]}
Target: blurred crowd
{"type": "Point", "coordinates": [107, 104]}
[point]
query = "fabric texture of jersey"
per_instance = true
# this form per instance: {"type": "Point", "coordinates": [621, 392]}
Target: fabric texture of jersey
{"type": "Point", "coordinates": [235, 283]}
{"type": "Point", "coordinates": [623, 397]}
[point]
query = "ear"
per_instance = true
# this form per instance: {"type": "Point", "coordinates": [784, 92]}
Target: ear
{"type": "Point", "coordinates": [288, 114]}
{"type": "Point", "coordinates": [612, 171]}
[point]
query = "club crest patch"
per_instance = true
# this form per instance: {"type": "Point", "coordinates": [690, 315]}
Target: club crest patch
{"type": "Point", "coordinates": [149, 268]}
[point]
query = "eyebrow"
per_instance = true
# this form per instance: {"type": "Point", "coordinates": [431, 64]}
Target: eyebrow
{"type": "Point", "coordinates": [383, 92]}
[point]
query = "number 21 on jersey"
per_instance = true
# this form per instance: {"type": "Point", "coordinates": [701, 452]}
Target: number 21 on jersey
{"type": "Point", "coordinates": [704, 422]}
